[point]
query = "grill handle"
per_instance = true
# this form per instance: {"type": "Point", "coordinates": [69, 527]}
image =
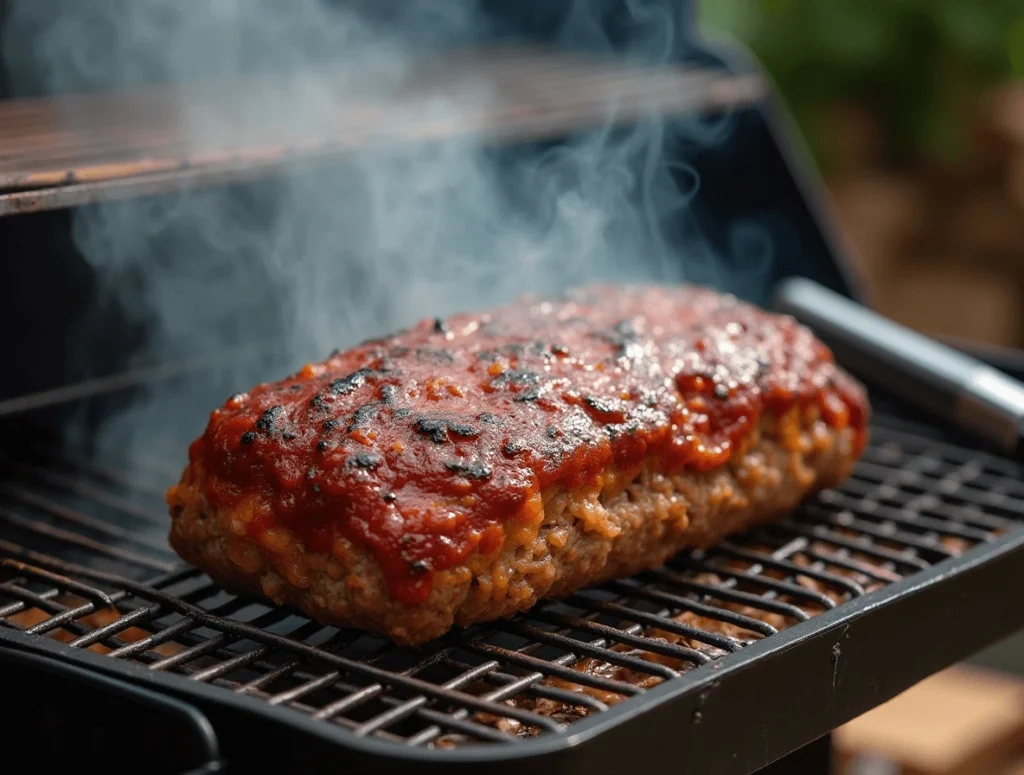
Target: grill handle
{"type": "Point", "coordinates": [926, 373]}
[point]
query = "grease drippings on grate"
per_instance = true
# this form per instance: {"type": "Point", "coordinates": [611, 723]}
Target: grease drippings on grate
{"type": "Point", "coordinates": [85, 561]}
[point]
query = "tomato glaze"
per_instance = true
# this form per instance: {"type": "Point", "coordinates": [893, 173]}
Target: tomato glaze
{"type": "Point", "coordinates": [423, 447]}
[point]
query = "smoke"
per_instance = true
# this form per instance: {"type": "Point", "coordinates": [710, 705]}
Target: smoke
{"type": "Point", "coordinates": [332, 252]}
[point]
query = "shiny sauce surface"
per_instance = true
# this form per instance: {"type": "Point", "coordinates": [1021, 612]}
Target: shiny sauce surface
{"type": "Point", "coordinates": [425, 446]}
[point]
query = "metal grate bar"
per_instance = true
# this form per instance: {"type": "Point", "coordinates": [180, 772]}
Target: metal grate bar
{"type": "Point", "coordinates": [553, 668]}
{"type": "Point", "coordinates": [850, 520]}
{"type": "Point", "coordinates": [873, 572]}
{"type": "Point", "coordinates": [600, 652]}
{"type": "Point", "coordinates": [660, 621]}
{"type": "Point", "coordinates": [687, 604]}
{"type": "Point", "coordinates": [82, 542]}
{"type": "Point", "coordinates": [401, 711]}
{"type": "Point", "coordinates": [17, 607]}
{"type": "Point", "coordinates": [753, 578]}
{"type": "Point", "coordinates": [722, 592]}
{"type": "Point", "coordinates": [100, 634]}
{"type": "Point", "coordinates": [96, 493]}
{"type": "Point", "coordinates": [767, 561]}
{"type": "Point", "coordinates": [513, 687]}
{"type": "Point", "coordinates": [949, 507]}
{"type": "Point", "coordinates": [77, 519]}
{"type": "Point", "coordinates": [857, 544]}
{"type": "Point", "coordinates": [624, 637]}
{"type": "Point", "coordinates": [870, 507]}
{"type": "Point", "coordinates": [45, 602]}
{"type": "Point", "coordinates": [911, 442]}
{"type": "Point", "coordinates": [87, 591]}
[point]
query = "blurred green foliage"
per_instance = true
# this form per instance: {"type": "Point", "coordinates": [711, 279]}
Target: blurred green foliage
{"type": "Point", "coordinates": [919, 65]}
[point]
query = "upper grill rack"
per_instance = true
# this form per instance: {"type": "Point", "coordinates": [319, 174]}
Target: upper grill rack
{"type": "Point", "coordinates": [85, 561]}
{"type": "Point", "coordinates": [81, 149]}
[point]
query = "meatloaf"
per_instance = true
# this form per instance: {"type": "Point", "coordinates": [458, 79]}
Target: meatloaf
{"type": "Point", "coordinates": [458, 471]}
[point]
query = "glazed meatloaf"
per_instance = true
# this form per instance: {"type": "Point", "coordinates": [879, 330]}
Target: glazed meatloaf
{"type": "Point", "coordinates": [460, 470]}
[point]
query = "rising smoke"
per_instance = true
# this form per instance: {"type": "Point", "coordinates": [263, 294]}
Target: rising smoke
{"type": "Point", "coordinates": [329, 254]}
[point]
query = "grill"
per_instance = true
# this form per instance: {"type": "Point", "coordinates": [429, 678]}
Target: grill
{"type": "Point", "coordinates": [739, 659]}
{"type": "Point", "coordinates": [925, 523]}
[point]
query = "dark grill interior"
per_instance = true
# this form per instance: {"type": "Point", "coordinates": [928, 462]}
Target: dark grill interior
{"type": "Point", "coordinates": [85, 561]}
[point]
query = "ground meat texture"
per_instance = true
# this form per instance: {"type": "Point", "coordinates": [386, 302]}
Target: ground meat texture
{"type": "Point", "coordinates": [505, 457]}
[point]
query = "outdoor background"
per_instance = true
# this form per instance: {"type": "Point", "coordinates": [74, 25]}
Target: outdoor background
{"type": "Point", "coordinates": [914, 111]}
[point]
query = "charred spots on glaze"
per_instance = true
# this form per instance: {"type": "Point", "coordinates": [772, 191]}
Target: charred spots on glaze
{"type": "Point", "coordinates": [471, 470]}
{"type": "Point", "coordinates": [530, 394]}
{"type": "Point", "coordinates": [513, 447]}
{"type": "Point", "coordinates": [248, 437]}
{"type": "Point", "coordinates": [420, 566]}
{"type": "Point", "coordinates": [515, 350]}
{"type": "Point", "coordinates": [330, 425]}
{"type": "Point", "coordinates": [553, 432]}
{"type": "Point", "coordinates": [440, 326]}
{"type": "Point", "coordinates": [438, 356]}
{"type": "Point", "coordinates": [388, 393]}
{"type": "Point", "coordinates": [311, 472]}
{"type": "Point", "coordinates": [516, 378]}
{"type": "Point", "coordinates": [289, 436]}
{"type": "Point", "coordinates": [489, 419]}
{"type": "Point", "coordinates": [345, 385]}
{"type": "Point", "coordinates": [389, 497]}
{"type": "Point", "coordinates": [365, 460]}
{"type": "Point", "coordinates": [266, 420]}
{"type": "Point", "coordinates": [438, 429]}
{"type": "Point", "coordinates": [317, 402]}
{"type": "Point", "coordinates": [559, 349]}
{"type": "Point", "coordinates": [322, 445]}
{"type": "Point", "coordinates": [363, 416]}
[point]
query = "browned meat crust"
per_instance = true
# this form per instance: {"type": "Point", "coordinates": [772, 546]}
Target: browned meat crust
{"type": "Point", "coordinates": [621, 523]}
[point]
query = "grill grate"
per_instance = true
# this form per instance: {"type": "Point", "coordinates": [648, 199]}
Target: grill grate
{"type": "Point", "coordinates": [85, 561]}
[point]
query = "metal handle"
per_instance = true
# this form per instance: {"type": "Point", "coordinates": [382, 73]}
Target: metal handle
{"type": "Point", "coordinates": [929, 374]}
